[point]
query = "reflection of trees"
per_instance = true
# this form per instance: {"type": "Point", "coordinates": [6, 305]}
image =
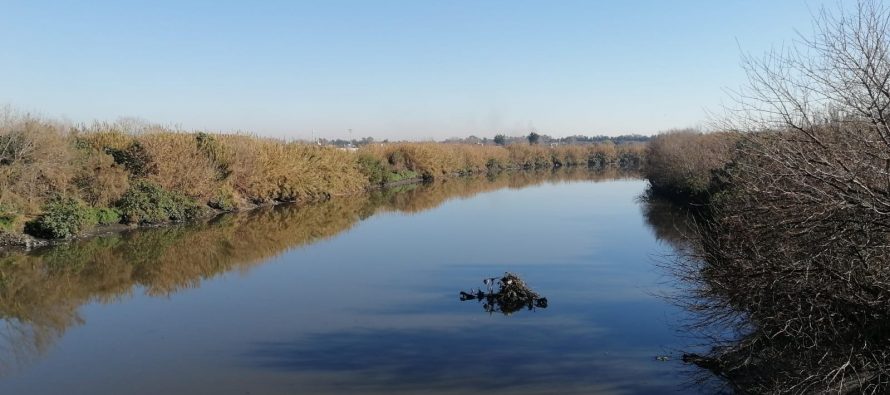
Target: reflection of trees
{"type": "Point", "coordinates": [753, 319]}
{"type": "Point", "coordinates": [432, 195]}
{"type": "Point", "coordinates": [670, 223]}
{"type": "Point", "coordinates": [40, 292]}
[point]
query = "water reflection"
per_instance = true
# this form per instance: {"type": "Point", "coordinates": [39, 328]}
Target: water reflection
{"type": "Point", "coordinates": [41, 292]}
{"type": "Point", "coordinates": [513, 357]}
{"type": "Point", "coordinates": [671, 223]}
{"type": "Point", "coordinates": [601, 334]}
{"type": "Point", "coordinates": [675, 225]}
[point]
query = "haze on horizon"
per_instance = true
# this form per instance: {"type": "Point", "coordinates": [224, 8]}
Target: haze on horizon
{"type": "Point", "coordinates": [388, 69]}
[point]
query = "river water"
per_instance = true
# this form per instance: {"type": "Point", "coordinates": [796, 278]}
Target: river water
{"type": "Point", "coordinates": [359, 295]}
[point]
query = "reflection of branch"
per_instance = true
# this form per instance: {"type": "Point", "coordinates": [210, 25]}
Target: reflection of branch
{"type": "Point", "coordinates": [21, 342]}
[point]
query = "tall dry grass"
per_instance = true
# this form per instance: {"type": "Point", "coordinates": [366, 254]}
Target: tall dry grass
{"type": "Point", "coordinates": [685, 163]}
{"type": "Point", "coordinates": [36, 162]}
{"type": "Point", "coordinates": [264, 170]}
{"type": "Point", "coordinates": [434, 160]}
{"type": "Point", "coordinates": [41, 160]}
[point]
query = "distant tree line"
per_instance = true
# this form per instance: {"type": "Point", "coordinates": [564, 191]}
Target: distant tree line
{"type": "Point", "coordinates": [535, 137]}
{"type": "Point", "coordinates": [348, 143]}
{"type": "Point", "coordinates": [503, 140]}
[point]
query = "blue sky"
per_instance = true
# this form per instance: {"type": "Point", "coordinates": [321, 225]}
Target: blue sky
{"type": "Point", "coordinates": [389, 69]}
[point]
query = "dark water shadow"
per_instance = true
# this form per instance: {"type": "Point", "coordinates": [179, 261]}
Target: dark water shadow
{"type": "Point", "coordinates": [509, 358]}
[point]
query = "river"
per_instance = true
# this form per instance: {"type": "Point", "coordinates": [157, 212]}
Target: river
{"type": "Point", "coordinates": [359, 295]}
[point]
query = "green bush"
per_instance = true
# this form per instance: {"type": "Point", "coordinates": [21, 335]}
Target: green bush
{"type": "Point", "coordinates": [148, 203]}
{"type": "Point", "coordinates": [372, 168]}
{"type": "Point", "coordinates": [134, 158]}
{"type": "Point", "coordinates": [395, 176]}
{"type": "Point", "coordinates": [223, 200]}
{"type": "Point", "coordinates": [62, 218]}
{"type": "Point", "coordinates": [7, 221]}
{"type": "Point", "coordinates": [105, 216]}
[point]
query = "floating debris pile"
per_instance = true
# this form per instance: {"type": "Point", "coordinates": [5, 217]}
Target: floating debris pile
{"type": "Point", "coordinates": [512, 295]}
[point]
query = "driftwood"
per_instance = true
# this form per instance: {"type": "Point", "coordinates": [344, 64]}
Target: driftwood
{"type": "Point", "coordinates": [512, 295]}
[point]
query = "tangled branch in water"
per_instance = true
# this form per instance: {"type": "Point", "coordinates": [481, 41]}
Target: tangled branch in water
{"type": "Point", "coordinates": [512, 295]}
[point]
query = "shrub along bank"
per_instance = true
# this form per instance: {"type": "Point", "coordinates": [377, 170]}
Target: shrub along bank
{"type": "Point", "coordinates": [689, 166]}
{"type": "Point", "coordinates": [57, 181]}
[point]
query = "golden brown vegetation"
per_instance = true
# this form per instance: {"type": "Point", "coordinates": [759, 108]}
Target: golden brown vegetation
{"type": "Point", "coordinates": [435, 160]}
{"type": "Point", "coordinates": [167, 174]}
{"type": "Point", "coordinates": [687, 163]}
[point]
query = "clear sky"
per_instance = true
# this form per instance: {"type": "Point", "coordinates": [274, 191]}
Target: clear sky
{"type": "Point", "coordinates": [410, 69]}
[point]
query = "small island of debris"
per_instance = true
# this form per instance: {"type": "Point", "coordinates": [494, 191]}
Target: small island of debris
{"type": "Point", "coordinates": [512, 295]}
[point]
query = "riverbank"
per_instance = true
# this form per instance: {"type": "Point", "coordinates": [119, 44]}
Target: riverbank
{"type": "Point", "coordinates": [58, 181]}
{"type": "Point", "coordinates": [20, 241]}
{"type": "Point", "coordinates": [25, 241]}
{"type": "Point", "coordinates": [787, 253]}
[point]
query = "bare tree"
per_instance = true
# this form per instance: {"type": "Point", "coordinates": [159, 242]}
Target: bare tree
{"type": "Point", "coordinates": [796, 258]}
